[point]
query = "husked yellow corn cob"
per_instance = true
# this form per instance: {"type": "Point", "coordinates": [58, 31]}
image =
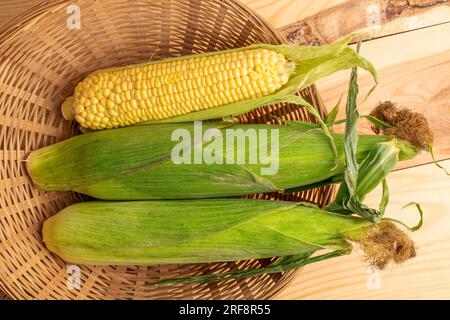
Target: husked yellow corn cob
{"type": "Point", "coordinates": [206, 86]}
{"type": "Point", "coordinates": [156, 91]}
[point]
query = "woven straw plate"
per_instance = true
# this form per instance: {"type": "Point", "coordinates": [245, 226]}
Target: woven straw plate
{"type": "Point", "coordinates": [41, 61]}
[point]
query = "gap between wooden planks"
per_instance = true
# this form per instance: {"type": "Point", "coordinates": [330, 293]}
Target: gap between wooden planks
{"type": "Point", "coordinates": [425, 277]}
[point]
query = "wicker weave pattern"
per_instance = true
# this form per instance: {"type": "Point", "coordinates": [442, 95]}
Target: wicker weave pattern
{"type": "Point", "coordinates": [40, 63]}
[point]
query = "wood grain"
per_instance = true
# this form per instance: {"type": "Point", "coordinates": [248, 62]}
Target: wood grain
{"type": "Point", "coordinates": [411, 74]}
{"type": "Point", "coordinates": [370, 18]}
{"type": "Point", "coordinates": [281, 13]}
{"type": "Point", "coordinates": [426, 276]}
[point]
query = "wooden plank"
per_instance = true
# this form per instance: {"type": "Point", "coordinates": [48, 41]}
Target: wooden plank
{"type": "Point", "coordinates": [411, 74]}
{"type": "Point", "coordinates": [370, 18]}
{"type": "Point", "coordinates": [11, 8]}
{"type": "Point", "coordinates": [426, 276]}
{"type": "Point", "coordinates": [280, 13]}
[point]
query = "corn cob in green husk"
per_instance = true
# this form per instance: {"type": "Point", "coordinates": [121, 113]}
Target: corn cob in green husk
{"type": "Point", "coordinates": [137, 163]}
{"type": "Point", "coordinates": [204, 86]}
{"type": "Point", "coordinates": [212, 230]}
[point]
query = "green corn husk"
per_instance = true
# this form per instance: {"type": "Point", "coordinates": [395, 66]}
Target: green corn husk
{"type": "Point", "coordinates": [135, 163]}
{"type": "Point", "coordinates": [158, 232]}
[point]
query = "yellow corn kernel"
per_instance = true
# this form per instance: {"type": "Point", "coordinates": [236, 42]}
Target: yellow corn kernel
{"type": "Point", "coordinates": [165, 89]}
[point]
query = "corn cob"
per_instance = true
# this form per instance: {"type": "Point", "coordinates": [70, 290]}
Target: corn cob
{"type": "Point", "coordinates": [158, 232]}
{"type": "Point", "coordinates": [204, 86]}
{"type": "Point", "coordinates": [159, 91]}
{"type": "Point", "coordinates": [135, 163]}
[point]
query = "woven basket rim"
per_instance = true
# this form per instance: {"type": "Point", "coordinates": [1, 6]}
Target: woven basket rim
{"type": "Point", "coordinates": [15, 25]}
{"type": "Point", "coordinates": [14, 22]}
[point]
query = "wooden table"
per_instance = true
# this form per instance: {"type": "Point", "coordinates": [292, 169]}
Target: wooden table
{"type": "Point", "coordinates": [409, 43]}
